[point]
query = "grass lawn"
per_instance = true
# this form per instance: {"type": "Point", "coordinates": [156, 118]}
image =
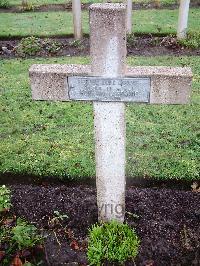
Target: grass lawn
{"type": "Point", "coordinates": [56, 139]}
{"type": "Point", "coordinates": [60, 23]}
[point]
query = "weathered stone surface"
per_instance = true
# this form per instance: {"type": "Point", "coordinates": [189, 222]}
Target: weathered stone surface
{"type": "Point", "coordinates": [108, 38]}
{"type": "Point", "coordinates": [48, 82]}
{"type": "Point", "coordinates": [169, 85]}
{"type": "Point", "coordinates": [108, 54]}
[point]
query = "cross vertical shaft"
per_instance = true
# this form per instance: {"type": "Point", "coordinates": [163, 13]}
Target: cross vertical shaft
{"type": "Point", "coordinates": [108, 53]}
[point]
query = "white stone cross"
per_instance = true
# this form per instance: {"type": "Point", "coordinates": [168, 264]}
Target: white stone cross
{"type": "Point", "coordinates": [109, 83]}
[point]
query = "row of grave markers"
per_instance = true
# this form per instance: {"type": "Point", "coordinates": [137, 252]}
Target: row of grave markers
{"type": "Point", "coordinates": [182, 19]}
{"type": "Point", "coordinates": [109, 83]}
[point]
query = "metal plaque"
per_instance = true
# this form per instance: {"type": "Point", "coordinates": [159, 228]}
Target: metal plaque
{"type": "Point", "coordinates": [109, 89]}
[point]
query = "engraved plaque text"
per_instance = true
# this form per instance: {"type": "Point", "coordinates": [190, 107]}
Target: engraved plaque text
{"type": "Point", "coordinates": [109, 89]}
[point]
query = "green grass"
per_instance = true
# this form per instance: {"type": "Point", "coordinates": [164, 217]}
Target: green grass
{"type": "Point", "coordinates": [60, 23]}
{"type": "Point", "coordinates": [56, 139]}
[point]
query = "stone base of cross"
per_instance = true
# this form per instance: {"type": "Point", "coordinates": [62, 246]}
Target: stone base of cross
{"type": "Point", "coordinates": [109, 83]}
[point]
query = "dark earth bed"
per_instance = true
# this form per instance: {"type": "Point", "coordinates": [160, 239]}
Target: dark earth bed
{"type": "Point", "coordinates": [168, 221]}
{"type": "Point", "coordinates": [145, 45]}
{"type": "Point", "coordinates": [84, 6]}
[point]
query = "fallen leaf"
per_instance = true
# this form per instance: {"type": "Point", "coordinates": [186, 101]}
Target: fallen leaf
{"type": "Point", "coordinates": [84, 244]}
{"type": "Point", "coordinates": [74, 245]}
{"type": "Point", "coordinates": [39, 247]}
{"type": "Point", "coordinates": [149, 263]}
{"type": "Point", "coordinates": [2, 254]}
{"type": "Point", "coordinates": [5, 210]}
{"type": "Point", "coordinates": [194, 186]}
{"type": "Point", "coordinates": [25, 253]}
{"type": "Point", "coordinates": [16, 262]}
{"type": "Point", "coordinates": [9, 221]}
{"type": "Point", "coordinates": [70, 233]}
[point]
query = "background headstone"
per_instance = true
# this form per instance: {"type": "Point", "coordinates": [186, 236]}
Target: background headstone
{"type": "Point", "coordinates": [128, 4]}
{"type": "Point", "coordinates": [76, 10]}
{"type": "Point", "coordinates": [183, 19]}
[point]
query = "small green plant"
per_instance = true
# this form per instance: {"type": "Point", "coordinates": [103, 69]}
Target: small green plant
{"type": "Point", "coordinates": [192, 40]}
{"type": "Point", "coordinates": [131, 39]}
{"type": "Point", "coordinates": [155, 41]}
{"type": "Point", "coordinates": [157, 3]}
{"type": "Point", "coordinates": [50, 46]}
{"type": "Point", "coordinates": [5, 202]}
{"type": "Point", "coordinates": [27, 6]}
{"type": "Point", "coordinates": [25, 235]}
{"type": "Point", "coordinates": [29, 46]}
{"type": "Point", "coordinates": [5, 233]}
{"type": "Point", "coordinates": [28, 264]}
{"type": "Point", "coordinates": [4, 4]}
{"type": "Point", "coordinates": [112, 242]}
{"type": "Point", "coordinates": [133, 215]}
{"type": "Point", "coordinates": [58, 217]}
{"type": "Point", "coordinates": [15, 237]}
{"type": "Point", "coordinates": [77, 44]}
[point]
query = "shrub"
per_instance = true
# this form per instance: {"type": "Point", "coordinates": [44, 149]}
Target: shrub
{"type": "Point", "coordinates": [51, 46]}
{"type": "Point", "coordinates": [25, 235]}
{"type": "Point", "coordinates": [4, 3]}
{"type": "Point", "coordinates": [5, 202]}
{"type": "Point", "coordinates": [29, 46]}
{"type": "Point", "coordinates": [112, 242]}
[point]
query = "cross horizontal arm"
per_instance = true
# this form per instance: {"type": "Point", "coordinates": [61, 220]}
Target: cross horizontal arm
{"type": "Point", "coordinates": [169, 85]}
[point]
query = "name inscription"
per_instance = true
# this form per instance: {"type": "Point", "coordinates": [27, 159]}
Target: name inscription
{"type": "Point", "coordinates": [109, 89]}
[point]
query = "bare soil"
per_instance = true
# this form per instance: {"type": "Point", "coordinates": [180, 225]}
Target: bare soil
{"type": "Point", "coordinates": [166, 220]}
{"type": "Point", "coordinates": [145, 45]}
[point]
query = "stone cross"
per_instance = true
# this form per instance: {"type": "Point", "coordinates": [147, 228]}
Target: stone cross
{"type": "Point", "coordinates": [109, 83]}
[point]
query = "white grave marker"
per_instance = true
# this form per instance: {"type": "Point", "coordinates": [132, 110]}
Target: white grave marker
{"type": "Point", "coordinates": [109, 83]}
{"type": "Point", "coordinates": [183, 19]}
{"type": "Point", "coordinates": [76, 11]}
{"type": "Point", "coordinates": [128, 4]}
